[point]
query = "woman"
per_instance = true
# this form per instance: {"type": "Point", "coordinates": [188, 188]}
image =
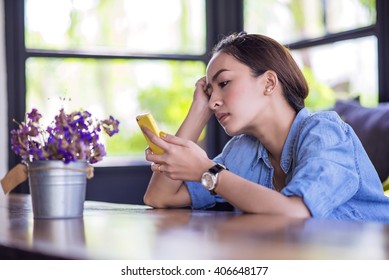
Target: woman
{"type": "Point", "coordinates": [281, 159]}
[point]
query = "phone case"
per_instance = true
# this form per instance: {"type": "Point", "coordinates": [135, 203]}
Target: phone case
{"type": "Point", "coordinates": [148, 121]}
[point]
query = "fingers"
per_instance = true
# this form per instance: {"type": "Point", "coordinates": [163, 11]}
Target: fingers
{"type": "Point", "coordinates": [154, 138]}
{"type": "Point", "coordinates": [164, 138]}
{"type": "Point", "coordinates": [172, 145]}
{"type": "Point", "coordinates": [173, 139]}
{"type": "Point", "coordinates": [156, 167]}
{"type": "Point", "coordinates": [148, 151]}
{"type": "Point", "coordinates": [202, 84]}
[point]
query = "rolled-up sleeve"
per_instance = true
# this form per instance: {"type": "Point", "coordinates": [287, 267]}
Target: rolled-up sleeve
{"type": "Point", "coordinates": [201, 198]}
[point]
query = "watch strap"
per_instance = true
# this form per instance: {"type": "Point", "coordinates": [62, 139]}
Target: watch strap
{"type": "Point", "coordinates": [215, 171]}
{"type": "Point", "coordinates": [217, 168]}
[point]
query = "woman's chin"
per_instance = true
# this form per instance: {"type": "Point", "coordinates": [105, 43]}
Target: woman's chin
{"type": "Point", "coordinates": [230, 132]}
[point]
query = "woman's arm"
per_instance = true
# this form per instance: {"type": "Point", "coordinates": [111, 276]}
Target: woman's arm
{"type": "Point", "coordinates": [184, 160]}
{"type": "Point", "coordinates": [163, 191]}
{"type": "Point", "coordinates": [253, 198]}
{"type": "Point", "coordinates": [246, 195]}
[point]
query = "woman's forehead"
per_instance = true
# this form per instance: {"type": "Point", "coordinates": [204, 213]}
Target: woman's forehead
{"type": "Point", "coordinates": [221, 61]}
{"type": "Point", "coordinates": [220, 58]}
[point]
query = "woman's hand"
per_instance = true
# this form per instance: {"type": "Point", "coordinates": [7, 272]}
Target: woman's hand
{"type": "Point", "coordinates": [200, 98]}
{"type": "Point", "coordinates": [183, 159]}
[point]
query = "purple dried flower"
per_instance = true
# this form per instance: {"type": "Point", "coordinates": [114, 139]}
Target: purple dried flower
{"type": "Point", "coordinates": [34, 115]}
{"type": "Point", "coordinates": [69, 137]}
{"type": "Point", "coordinates": [110, 126]}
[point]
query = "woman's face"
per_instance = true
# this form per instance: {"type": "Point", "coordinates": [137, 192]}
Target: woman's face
{"type": "Point", "coordinates": [235, 95]}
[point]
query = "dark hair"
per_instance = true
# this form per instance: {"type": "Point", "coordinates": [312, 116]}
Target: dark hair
{"type": "Point", "coordinates": [261, 54]}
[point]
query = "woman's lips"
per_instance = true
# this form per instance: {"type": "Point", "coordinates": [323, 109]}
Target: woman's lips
{"type": "Point", "coordinates": [221, 116]}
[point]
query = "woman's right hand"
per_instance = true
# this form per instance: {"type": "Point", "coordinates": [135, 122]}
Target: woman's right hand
{"type": "Point", "coordinates": [200, 98]}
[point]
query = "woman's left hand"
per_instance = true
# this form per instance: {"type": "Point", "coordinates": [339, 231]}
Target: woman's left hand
{"type": "Point", "coordinates": [183, 159]}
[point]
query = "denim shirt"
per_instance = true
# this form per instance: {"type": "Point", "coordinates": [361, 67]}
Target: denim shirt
{"type": "Point", "coordinates": [325, 163]}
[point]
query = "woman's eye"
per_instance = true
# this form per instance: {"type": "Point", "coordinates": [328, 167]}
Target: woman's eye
{"type": "Point", "coordinates": [223, 84]}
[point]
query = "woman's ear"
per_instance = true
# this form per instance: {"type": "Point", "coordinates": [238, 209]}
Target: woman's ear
{"type": "Point", "coordinates": [271, 81]}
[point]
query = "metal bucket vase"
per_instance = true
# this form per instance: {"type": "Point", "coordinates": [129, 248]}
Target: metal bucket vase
{"type": "Point", "coordinates": [57, 189]}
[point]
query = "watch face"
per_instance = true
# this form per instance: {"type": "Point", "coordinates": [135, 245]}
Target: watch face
{"type": "Point", "coordinates": [207, 180]}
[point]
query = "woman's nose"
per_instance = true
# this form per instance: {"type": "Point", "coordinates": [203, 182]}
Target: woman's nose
{"type": "Point", "coordinates": [215, 100]}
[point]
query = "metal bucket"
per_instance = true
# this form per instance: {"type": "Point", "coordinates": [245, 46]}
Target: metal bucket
{"type": "Point", "coordinates": [57, 189]}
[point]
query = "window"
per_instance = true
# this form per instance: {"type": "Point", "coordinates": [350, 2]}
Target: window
{"type": "Point", "coordinates": [86, 52]}
{"type": "Point", "coordinates": [318, 33]}
{"type": "Point", "coordinates": [117, 25]}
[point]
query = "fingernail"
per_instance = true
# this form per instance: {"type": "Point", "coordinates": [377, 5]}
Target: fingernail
{"type": "Point", "coordinates": [162, 134]}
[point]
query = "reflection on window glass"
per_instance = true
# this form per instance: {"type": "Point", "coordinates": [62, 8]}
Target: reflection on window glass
{"type": "Point", "coordinates": [344, 15]}
{"type": "Point", "coordinates": [146, 26]}
{"type": "Point", "coordinates": [284, 20]}
{"type": "Point", "coordinates": [120, 88]}
{"type": "Point", "coordinates": [294, 20]}
{"type": "Point", "coordinates": [347, 69]}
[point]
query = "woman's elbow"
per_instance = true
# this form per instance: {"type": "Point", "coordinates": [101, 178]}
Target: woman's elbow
{"type": "Point", "coordinates": [153, 202]}
{"type": "Point", "coordinates": [298, 209]}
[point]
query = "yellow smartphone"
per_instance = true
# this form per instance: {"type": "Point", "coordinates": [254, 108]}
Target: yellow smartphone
{"type": "Point", "coordinates": [148, 121]}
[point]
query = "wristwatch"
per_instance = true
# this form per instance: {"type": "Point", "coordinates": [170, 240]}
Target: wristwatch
{"type": "Point", "coordinates": [209, 178]}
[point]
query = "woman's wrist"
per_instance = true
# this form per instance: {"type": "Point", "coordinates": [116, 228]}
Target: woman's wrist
{"type": "Point", "coordinates": [200, 110]}
{"type": "Point", "coordinates": [194, 122]}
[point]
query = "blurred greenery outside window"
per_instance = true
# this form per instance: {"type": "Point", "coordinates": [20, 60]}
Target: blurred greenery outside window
{"type": "Point", "coordinates": [339, 70]}
{"type": "Point", "coordinates": [150, 67]}
{"type": "Point", "coordinates": [146, 67]}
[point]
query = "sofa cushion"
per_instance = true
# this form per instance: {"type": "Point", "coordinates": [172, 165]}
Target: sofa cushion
{"type": "Point", "coordinates": [372, 127]}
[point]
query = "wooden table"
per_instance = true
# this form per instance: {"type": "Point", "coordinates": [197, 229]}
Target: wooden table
{"type": "Point", "coordinates": [125, 232]}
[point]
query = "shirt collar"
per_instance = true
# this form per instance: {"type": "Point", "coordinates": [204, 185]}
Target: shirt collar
{"type": "Point", "coordinates": [261, 152]}
{"type": "Point", "coordinates": [287, 151]}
